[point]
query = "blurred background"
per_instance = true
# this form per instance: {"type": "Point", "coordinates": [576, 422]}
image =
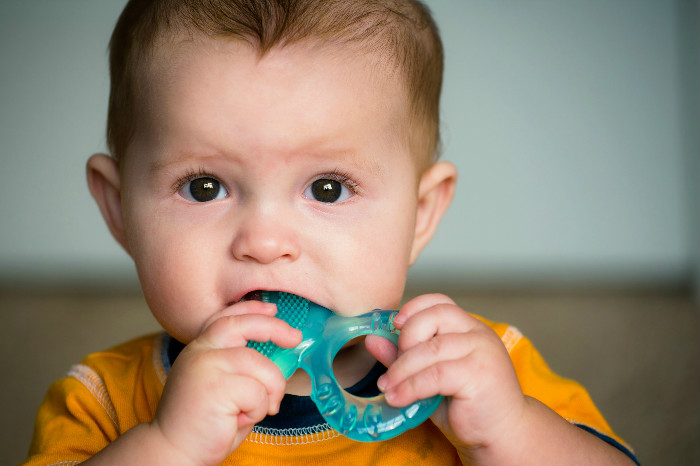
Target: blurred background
{"type": "Point", "coordinates": [575, 129]}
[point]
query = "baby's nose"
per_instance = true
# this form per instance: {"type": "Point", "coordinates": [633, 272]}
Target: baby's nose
{"type": "Point", "coordinates": [264, 237]}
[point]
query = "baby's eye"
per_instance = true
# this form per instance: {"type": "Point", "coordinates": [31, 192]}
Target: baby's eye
{"type": "Point", "coordinates": [327, 190]}
{"type": "Point", "coordinates": [203, 189]}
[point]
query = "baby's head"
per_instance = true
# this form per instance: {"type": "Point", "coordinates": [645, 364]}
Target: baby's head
{"type": "Point", "coordinates": [267, 145]}
{"type": "Point", "coordinates": [400, 35]}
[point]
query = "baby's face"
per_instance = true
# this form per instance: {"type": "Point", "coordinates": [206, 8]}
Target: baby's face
{"type": "Point", "coordinates": [291, 172]}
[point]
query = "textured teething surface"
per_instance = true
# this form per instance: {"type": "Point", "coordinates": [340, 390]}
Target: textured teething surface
{"type": "Point", "coordinates": [292, 309]}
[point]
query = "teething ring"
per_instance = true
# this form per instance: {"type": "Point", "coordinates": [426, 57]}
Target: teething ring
{"type": "Point", "coordinates": [359, 418]}
{"type": "Point", "coordinates": [324, 334]}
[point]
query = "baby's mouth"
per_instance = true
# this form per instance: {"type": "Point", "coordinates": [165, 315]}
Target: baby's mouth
{"type": "Point", "coordinates": [255, 295]}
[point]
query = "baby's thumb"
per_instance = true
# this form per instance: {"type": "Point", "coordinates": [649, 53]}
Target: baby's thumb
{"type": "Point", "coordinates": [381, 349]}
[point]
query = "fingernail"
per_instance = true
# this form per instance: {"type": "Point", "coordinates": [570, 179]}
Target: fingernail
{"type": "Point", "coordinates": [381, 383]}
{"type": "Point", "coordinates": [389, 396]}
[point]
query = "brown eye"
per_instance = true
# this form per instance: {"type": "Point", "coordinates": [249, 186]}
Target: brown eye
{"type": "Point", "coordinates": [326, 190]}
{"type": "Point", "coordinates": [203, 189]}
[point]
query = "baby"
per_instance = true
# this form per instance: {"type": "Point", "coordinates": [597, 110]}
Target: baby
{"type": "Point", "coordinates": [291, 145]}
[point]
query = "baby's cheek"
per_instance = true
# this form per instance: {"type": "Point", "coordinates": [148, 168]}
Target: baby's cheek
{"type": "Point", "coordinates": [175, 300]}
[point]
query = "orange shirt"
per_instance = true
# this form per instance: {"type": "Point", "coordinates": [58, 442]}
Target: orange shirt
{"type": "Point", "coordinates": [114, 390]}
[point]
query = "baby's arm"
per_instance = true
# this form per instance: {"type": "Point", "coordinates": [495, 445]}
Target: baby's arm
{"type": "Point", "coordinates": [443, 350]}
{"type": "Point", "coordinates": [216, 391]}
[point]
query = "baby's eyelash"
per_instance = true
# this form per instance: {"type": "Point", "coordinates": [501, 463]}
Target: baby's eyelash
{"type": "Point", "coordinates": [343, 178]}
{"type": "Point", "coordinates": [191, 175]}
{"type": "Point", "coordinates": [336, 175]}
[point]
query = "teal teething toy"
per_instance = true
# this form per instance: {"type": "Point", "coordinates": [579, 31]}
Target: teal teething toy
{"type": "Point", "coordinates": [323, 335]}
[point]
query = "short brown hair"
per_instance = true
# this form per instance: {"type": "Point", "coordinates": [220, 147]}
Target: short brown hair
{"type": "Point", "coordinates": [402, 31]}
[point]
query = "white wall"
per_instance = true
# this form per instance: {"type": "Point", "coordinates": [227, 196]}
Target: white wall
{"type": "Point", "coordinates": [574, 126]}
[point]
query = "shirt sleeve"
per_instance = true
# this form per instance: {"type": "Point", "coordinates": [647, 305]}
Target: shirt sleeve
{"type": "Point", "coordinates": [566, 397]}
{"type": "Point", "coordinates": [74, 422]}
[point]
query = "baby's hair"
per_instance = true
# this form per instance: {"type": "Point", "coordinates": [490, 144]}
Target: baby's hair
{"type": "Point", "coordinates": [401, 32]}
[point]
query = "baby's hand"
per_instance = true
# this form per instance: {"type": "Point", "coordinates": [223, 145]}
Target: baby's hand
{"type": "Point", "coordinates": [443, 350]}
{"type": "Point", "coordinates": [218, 388]}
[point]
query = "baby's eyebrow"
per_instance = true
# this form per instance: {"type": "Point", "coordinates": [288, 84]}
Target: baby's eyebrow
{"type": "Point", "coordinates": [365, 163]}
{"type": "Point", "coordinates": [160, 165]}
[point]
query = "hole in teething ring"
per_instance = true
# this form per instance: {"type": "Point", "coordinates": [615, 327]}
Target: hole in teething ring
{"type": "Point", "coordinates": [356, 368]}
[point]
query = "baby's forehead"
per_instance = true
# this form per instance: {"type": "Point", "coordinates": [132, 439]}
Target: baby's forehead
{"type": "Point", "coordinates": [400, 38]}
{"type": "Point", "coordinates": [176, 56]}
{"type": "Point", "coordinates": [216, 75]}
{"type": "Point", "coordinates": [173, 58]}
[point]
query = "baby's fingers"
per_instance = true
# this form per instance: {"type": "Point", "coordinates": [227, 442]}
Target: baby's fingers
{"type": "Point", "coordinates": [431, 368]}
{"type": "Point", "coordinates": [237, 330]}
{"type": "Point", "coordinates": [437, 379]}
{"type": "Point", "coordinates": [242, 308]}
{"type": "Point", "coordinates": [419, 304]}
{"type": "Point", "coordinates": [251, 399]}
{"type": "Point", "coordinates": [254, 366]}
{"type": "Point", "coordinates": [440, 318]}
{"type": "Point", "coordinates": [381, 349]}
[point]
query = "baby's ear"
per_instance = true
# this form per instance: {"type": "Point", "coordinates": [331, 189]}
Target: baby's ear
{"type": "Point", "coordinates": [435, 192]}
{"type": "Point", "coordinates": [104, 184]}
